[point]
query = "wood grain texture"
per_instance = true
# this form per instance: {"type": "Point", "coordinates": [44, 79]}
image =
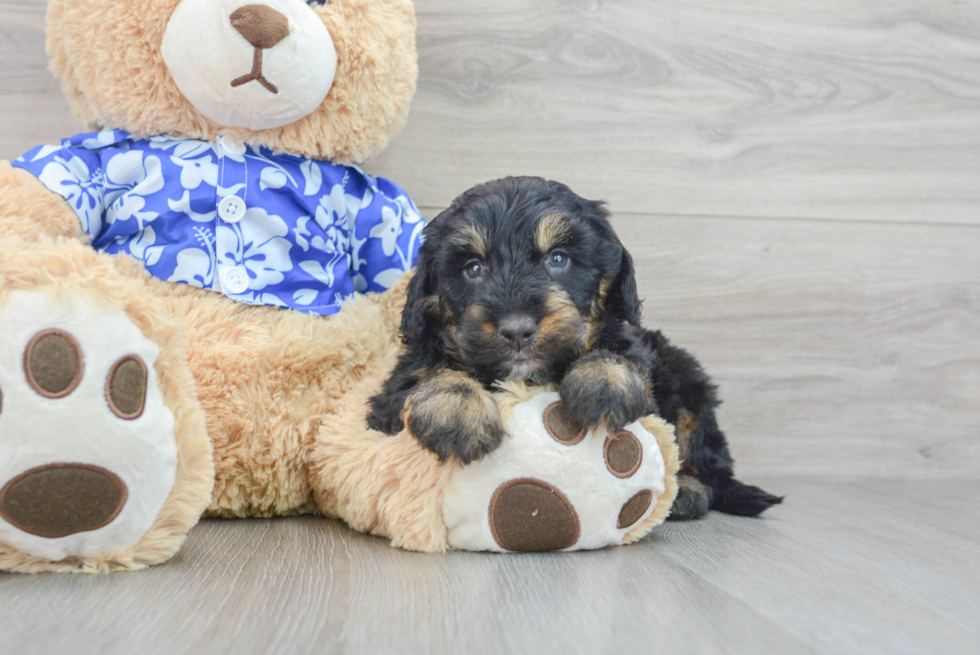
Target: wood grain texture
{"type": "Point", "coordinates": [842, 348]}
{"type": "Point", "coordinates": [798, 183]}
{"type": "Point", "coordinates": [845, 348]}
{"type": "Point", "coordinates": [850, 110]}
{"type": "Point", "coordinates": [856, 567]}
{"type": "Point", "coordinates": [33, 110]}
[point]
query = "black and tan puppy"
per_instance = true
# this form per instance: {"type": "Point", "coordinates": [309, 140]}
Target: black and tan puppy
{"type": "Point", "coordinates": [522, 279]}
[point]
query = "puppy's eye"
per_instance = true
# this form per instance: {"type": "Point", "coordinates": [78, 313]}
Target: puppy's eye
{"type": "Point", "coordinates": [558, 259]}
{"type": "Point", "coordinates": [473, 270]}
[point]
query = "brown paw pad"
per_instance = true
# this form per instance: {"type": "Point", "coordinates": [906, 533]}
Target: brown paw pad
{"type": "Point", "coordinates": [125, 387]}
{"type": "Point", "coordinates": [634, 509]}
{"type": "Point", "coordinates": [561, 426]}
{"type": "Point", "coordinates": [58, 500]}
{"type": "Point", "coordinates": [531, 515]}
{"type": "Point", "coordinates": [623, 453]}
{"type": "Point", "coordinates": [53, 363]}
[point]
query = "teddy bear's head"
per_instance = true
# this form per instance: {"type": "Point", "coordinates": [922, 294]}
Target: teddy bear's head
{"type": "Point", "coordinates": [325, 79]}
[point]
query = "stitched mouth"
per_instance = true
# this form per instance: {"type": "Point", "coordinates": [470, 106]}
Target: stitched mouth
{"type": "Point", "coordinates": [256, 74]}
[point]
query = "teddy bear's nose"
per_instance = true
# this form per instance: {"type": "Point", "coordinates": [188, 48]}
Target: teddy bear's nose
{"type": "Point", "coordinates": [262, 26]}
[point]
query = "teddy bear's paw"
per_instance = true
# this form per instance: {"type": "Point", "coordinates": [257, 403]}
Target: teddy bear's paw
{"type": "Point", "coordinates": [555, 485]}
{"type": "Point", "coordinates": [87, 449]}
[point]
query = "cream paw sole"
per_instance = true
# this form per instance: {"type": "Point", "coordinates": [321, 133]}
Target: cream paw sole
{"type": "Point", "coordinates": [88, 455]}
{"type": "Point", "coordinates": [554, 486]}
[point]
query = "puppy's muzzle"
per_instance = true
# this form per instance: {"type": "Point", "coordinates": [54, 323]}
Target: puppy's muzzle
{"type": "Point", "coordinates": [518, 331]}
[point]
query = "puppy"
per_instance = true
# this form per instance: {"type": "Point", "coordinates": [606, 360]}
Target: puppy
{"type": "Point", "coordinates": [522, 279]}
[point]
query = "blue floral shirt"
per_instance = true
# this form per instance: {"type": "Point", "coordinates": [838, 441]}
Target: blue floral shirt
{"type": "Point", "coordinates": [260, 228]}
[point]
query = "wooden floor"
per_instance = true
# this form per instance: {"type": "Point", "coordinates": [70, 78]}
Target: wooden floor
{"type": "Point", "coordinates": [799, 183]}
{"type": "Point", "coordinates": [844, 567]}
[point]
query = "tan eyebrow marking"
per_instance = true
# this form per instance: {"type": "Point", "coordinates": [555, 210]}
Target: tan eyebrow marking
{"type": "Point", "coordinates": [553, 229]}
{"type": "Point", "coordinates": [471, 238]}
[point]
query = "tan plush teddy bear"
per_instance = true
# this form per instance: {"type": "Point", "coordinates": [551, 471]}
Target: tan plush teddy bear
{"type": "Point", "coordinates": [199, 296]}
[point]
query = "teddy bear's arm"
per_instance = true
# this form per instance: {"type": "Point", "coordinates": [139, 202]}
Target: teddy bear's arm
{"type": "Point", "coordinates": [29, 210]}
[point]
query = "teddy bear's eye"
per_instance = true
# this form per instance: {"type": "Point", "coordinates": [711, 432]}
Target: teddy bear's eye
{"type": "Point", "coordinates": [317, 3]}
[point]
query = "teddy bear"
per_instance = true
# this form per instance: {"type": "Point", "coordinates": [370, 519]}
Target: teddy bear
{"type": "Point", "coordinates": [200, 293]}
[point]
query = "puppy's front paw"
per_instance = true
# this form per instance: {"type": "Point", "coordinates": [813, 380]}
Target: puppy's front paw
{"type": "Point", "coordinates": [604, 387]}
{"type": "Point", "coordinates": [451, 414]}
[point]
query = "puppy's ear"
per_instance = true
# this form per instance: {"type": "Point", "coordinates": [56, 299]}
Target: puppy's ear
{"type": "Point", "coordinates": [417, 317]}
{"type": "Point", "coordinates": [623, 304]}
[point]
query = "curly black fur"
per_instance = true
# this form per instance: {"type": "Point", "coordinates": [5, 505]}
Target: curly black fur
{"type": "Point", "coordinates": [529, 252]}
{"type": "Point", "coordinates": [457, 417]}
{"type": "Point", "coordinates": [603, 386]}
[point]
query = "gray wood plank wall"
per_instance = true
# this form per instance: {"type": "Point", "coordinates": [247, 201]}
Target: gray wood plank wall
{"type": "Point", "coordinates": [799, 183]}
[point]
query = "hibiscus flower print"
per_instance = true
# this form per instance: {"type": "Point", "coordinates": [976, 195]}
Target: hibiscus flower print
{"type": "Point", "coordinates": [257, 243]}
{"type": "Point", "coordinates": [128, 179]}
{"type": "Point", "coordinates": [310, 234]}
{"type": "Point", "coordinates": [196, 266]}
{"type": "Point", "coordinates": [197, 166]}
{"type": "Point", "coordinates": [72, 179]}
{"type": "Point", "coordinates": [331, 216]}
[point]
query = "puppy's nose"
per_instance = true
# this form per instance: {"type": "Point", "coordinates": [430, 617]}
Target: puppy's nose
{"type": "Point", "coordinates": [518, 330]}
{"type": "Point", "coordinates": [261, 26]}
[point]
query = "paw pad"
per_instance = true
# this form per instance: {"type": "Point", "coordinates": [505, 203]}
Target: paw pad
{"type": "Point", "coordinates": [528, 515]}
{"type": "Point", "coordinates": [53, 363]}
{"type": "Point", "coordinates": [561, 426]}
{"type": "Point", "coordinates": [623, 453]}
{"type": "Point", "coordinates": [58, 500]}
{"type": "Point", "coordinates": [553, 485]}
{"type": "Point", "coordinates": [125, 387]}
{"type": "Point", "coordinates": [634, 509]}
{"type": "Point", "coordinates": [88, 454]}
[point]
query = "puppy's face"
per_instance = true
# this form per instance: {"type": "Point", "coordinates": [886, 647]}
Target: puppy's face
{"type": "Point", "coordinates": [516, 278]}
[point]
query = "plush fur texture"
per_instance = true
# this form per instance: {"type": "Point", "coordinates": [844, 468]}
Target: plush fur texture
{"type": "Point", "coordinates": [522, 279]}
{"type": "Point", "coordinates": [270, 405]}
{"type": "Point", "coordinates": [282, 396]}
{"type": "Point", "coordinates": [29, 210]}
{"type": "Point", "coordinates": [107, 55]}
{"type": "Point", "coordinates": [70, 270]}
{"type": "Point", "coordinates": [255, 390]}
{"type": "Point", "coordinates": [279, 396]}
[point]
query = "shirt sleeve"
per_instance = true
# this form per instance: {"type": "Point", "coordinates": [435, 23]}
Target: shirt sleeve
{"type": "Point", "coordinates": [386, 236]}
{"type": "Point", "coordinates": [72, 170]}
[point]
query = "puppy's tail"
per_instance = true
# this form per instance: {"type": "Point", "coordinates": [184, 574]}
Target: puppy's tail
{"type": "Point", "coordinates": [734, 497]}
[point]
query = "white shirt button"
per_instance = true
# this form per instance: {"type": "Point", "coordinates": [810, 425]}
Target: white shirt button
{"type": "Point", "coordinates": [231, 209]}
{"type": "Point", "coordinates": [231, 146]}
{"type": "Point", "coordinates": [234, 280]}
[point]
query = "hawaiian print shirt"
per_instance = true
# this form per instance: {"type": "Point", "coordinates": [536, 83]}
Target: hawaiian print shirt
{"type": "Point", "coordinates": [260, 228]}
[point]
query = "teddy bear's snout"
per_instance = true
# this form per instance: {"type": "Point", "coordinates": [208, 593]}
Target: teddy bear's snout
{"type": "Point", "coordinates": [208, 44]}
{"type": "Point", "coordinates": [261, 25]}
